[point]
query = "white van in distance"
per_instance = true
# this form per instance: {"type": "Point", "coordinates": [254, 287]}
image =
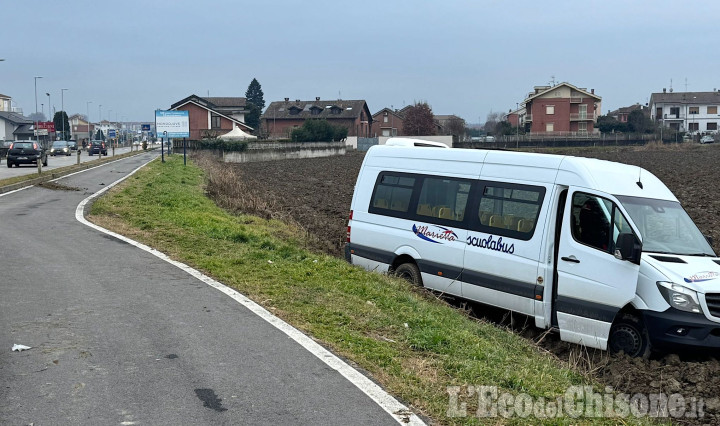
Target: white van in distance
{"type": "Point", "coordinates": [600, 251]}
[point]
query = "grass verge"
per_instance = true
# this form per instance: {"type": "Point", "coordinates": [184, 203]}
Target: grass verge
{"type": "Point", "coordinates": [414, 345]}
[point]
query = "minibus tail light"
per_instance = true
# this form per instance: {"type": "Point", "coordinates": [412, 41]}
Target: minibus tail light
{"type": "Point", "coordinates": [348, 229]}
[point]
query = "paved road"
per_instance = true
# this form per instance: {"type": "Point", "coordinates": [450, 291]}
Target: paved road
{"type": "Point", "coordinates": [119, 336]}
{"type": "Point", "coordinates": [53, 162]}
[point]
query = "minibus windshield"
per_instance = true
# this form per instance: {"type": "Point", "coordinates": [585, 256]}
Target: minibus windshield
{"type": "Point", "coordinates": [665, 227]}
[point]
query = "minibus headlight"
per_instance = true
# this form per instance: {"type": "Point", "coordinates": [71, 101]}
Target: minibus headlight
{"type": "Point", "coordinates": [679, 297]}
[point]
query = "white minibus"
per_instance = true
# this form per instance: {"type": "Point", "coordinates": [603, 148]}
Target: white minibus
{"type": "Point", "coordinates": [600, 251]}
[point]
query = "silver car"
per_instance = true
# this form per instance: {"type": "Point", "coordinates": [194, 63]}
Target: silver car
{"type": "Point", "coordinates": [60, 148]}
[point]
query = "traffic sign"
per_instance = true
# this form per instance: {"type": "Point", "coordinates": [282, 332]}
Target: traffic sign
{"type": "Point", "coordinates": [48, 125]}
{"type": "Point", "coordinates": [112, 134]}
{"type": "Point", "coordinates": [145, 127]}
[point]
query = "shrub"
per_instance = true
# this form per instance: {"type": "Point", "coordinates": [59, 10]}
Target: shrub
{"type": "Point", "coordinates": [319, 131]}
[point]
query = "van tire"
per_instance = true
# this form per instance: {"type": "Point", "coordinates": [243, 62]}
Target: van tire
{"type": "Point", "coordinates": [410, 273]}
{"type": "Point", "coordinates": [629, 335]}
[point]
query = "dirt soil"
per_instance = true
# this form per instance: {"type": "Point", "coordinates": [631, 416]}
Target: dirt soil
{"type": "Point", "coordinates": [316, 194]}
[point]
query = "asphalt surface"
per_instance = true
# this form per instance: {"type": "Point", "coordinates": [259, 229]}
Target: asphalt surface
{"type": "Point", "coordinates": [55, 162]}
{"type": "Point", "coordinates": [119, 336]}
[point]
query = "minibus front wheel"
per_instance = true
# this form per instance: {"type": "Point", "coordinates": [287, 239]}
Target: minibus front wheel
{"type": "Point", "coordinates": [409, 272]}
{"type": "Point", "coordinates": [629, 335]}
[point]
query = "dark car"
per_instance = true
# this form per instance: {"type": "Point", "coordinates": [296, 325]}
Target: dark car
{"type": "Point", "coordinates": [26, 152]}
{"type": "Point", "coordinates": [97, 147]}
{"type": "Point", "coordinates": [72, 145]}
{"type": "Point", "coordinates": [60, 148]}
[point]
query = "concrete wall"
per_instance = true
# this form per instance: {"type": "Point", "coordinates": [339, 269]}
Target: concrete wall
{"type": "Point", "coordinates": [282, 151]}
{"type": "Point", "coordinates": [447, 139]}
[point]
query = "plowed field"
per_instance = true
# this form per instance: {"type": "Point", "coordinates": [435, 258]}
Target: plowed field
{"type": "Point", "coordinates": [316, 194]}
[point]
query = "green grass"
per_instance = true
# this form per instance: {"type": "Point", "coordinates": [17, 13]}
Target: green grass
{"type": "Point", "coordinates": [411, 343]}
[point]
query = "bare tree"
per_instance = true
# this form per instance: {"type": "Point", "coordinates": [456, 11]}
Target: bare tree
{"type": "Point", "coordinates": [491, 123]}
{"type": "Point", "coordinates": [419, 120]}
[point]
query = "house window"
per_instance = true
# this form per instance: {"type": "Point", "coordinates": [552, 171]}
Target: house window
{"type": "Point", "coordinates": [335, 110]}
{"type": "Point", "coordinates": [693, 127]}
{"type": "Point", "coordinates": [694, 110]}
{"type": "Point", "coordinates": [294, 110]}
{"type": "Point", "coordinates": [386, 132]}
{"type": "Point", "coordinates": [550, 109]}
{"type": "Point", "coordinates": [675, 111]}
{"type": "Point", "coordinates": [712, 109]}
{"type": "Point", "coordinates": [712, 126]}
{"type": "Point", "coordinates": [549, 127]}
{"type": "Point", "coordinates": [385, 118]}
{"type": "Point", "coordinates": [214, 121]}
{"type": "Point", "coordinates": [582, 127]}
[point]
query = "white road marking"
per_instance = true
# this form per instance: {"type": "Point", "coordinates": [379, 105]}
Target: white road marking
{"type": "Point", "coordinates": [387, 402]}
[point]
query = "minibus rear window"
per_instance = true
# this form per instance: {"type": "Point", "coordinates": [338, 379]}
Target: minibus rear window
{"type": "Point", "coordinates": [510, 210]}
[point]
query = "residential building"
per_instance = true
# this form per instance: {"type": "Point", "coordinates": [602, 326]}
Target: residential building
{"type": "Point", "coordinates": [5, 103]}
{"type": "Point", "coordinates": [622, 114]}
{"type": "Point", "coordinates": [451, 125]}
{"type": "Point", "coordinates": [561, 109]}
{"type": "Point", "coordinates": [281, 117]}
{"type": "Point", "coordinates": [211, 117]}
{"type": "Point", "coordinates": [387, 122]}
{"type": "Point", "coordinates": [695, 112]}
{"type": "Point", "coordinates": [80, 129]}
{"type": "Point", "coordinates": [14, 126]}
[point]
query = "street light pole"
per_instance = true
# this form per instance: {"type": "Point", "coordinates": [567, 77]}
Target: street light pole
{"type": "Point", "coordinates": [87, 105]}
{"type": "Point", "coordinates": [50, 114]}
{"type": "Point", "coordinates": [36, 135]}
{"type": "Point", "coordinates": [62, 105]}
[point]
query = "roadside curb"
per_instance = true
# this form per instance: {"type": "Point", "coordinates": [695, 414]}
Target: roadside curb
{"type": "Point", "coordinates": [70, 170]}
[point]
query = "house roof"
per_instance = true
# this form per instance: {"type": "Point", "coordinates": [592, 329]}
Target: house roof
{"type": "Point", "coordinates": [227, 101]}
{"type": "Point", "coordinates": [447, 117]}
{"type": "Point", "coordinates": [700, 98]}
{"type": "Point", "coordinates": [24, 129]}
{"type": "Point", "coordinates": [213, 102]}
{"type": "Point", "coordinates": [279, 110]}
{"type": "Point", "coordinates": [546, 89]}
{"type": "Point", "coordinates": [396, 113]}
{"type": "Point", "coordinates": [628, 109]}
{"type": "Point", "coordinates": [222, 110]}
{"type": "Point", "coordinates": [15, 118]}
{"type": "Point", "coordinates": [5, 96]}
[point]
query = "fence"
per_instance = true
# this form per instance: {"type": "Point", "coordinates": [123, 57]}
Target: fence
{"type": "Point", "coordinates": [567, 139]}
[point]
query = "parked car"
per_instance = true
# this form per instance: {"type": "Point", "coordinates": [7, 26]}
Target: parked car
{"type": "Point", "coordinates": [73, 145]}
{"type": "Point", "coordinates": [4, 146]}
{"type": "Point", "coordinates": [60, 148]}
{"type": "Point", "coordinates": [97, 147]}
{"type": "Point", "coordinates": [489, 138]}
{"type": "Point", "coordinates": [707, 139]}
{"type": "Point", "coordinates": [26, 152]}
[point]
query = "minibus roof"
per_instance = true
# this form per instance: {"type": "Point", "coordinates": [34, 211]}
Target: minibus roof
{"type": "Point", "coordinates": [605, 176]}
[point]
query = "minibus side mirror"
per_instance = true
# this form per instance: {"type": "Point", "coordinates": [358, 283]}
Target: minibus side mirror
{"type": "Point", "coordinates": [709, 239]}
{"type": "Point", "coordinates": [628, 248]}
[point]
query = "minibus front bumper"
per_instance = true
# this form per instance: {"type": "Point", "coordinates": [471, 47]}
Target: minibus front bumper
{"type": "Point", "coordinates": [674, 327]}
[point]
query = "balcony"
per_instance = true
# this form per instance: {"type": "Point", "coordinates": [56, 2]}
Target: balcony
{"type": "Point", "coordinates": [576, 100]}
{"type": "Point", "coordinates": [581, 117]}
{"type": "Point", "coordinates": [528, 118]}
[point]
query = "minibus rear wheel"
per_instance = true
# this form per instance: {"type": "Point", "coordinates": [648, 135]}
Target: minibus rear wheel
{"type": "Point", "coordinates": [628, 335]}
{"type": "Point", "coordinates": [409, 272]}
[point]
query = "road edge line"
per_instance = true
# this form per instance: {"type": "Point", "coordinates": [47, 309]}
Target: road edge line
{"type": "Point", "coordinates": [387, 402]}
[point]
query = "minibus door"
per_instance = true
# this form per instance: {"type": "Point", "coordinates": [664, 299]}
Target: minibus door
{"type": "Point", "coordinates": [597, 267]}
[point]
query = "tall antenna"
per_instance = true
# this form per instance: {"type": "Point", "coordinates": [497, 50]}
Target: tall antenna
{"type": "Point", "coordinates": [686, 84]}
{"type": "Point", "coordinates": [552, 81]}
{"type": "Point", "coordinates": [671, 85]}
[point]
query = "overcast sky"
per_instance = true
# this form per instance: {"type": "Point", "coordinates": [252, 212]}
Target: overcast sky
{"type": "Point", "coordinates": [463, 57]}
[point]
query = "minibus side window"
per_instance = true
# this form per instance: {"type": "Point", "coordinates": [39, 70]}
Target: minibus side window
{"type": "Point", "coordinates": [597, 222]}
{"type": "Point", "coordinates": [392, 194]}
{"type": "Point", "coordinates": [443, 198]}
{"type": "Point", "coordinates": [510, 210]}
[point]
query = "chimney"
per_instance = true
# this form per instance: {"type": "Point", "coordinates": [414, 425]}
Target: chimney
{"type": "Point", "coordinates": [317, 98]}
{"type": "Point", "coordinates": [297, 101]}
{"type": "Point", "coordinates": [592, 91]}
{"type": "Point", "coordinates": [664, 90]}
{"type": "Point", "coordinates": [287, 99]}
